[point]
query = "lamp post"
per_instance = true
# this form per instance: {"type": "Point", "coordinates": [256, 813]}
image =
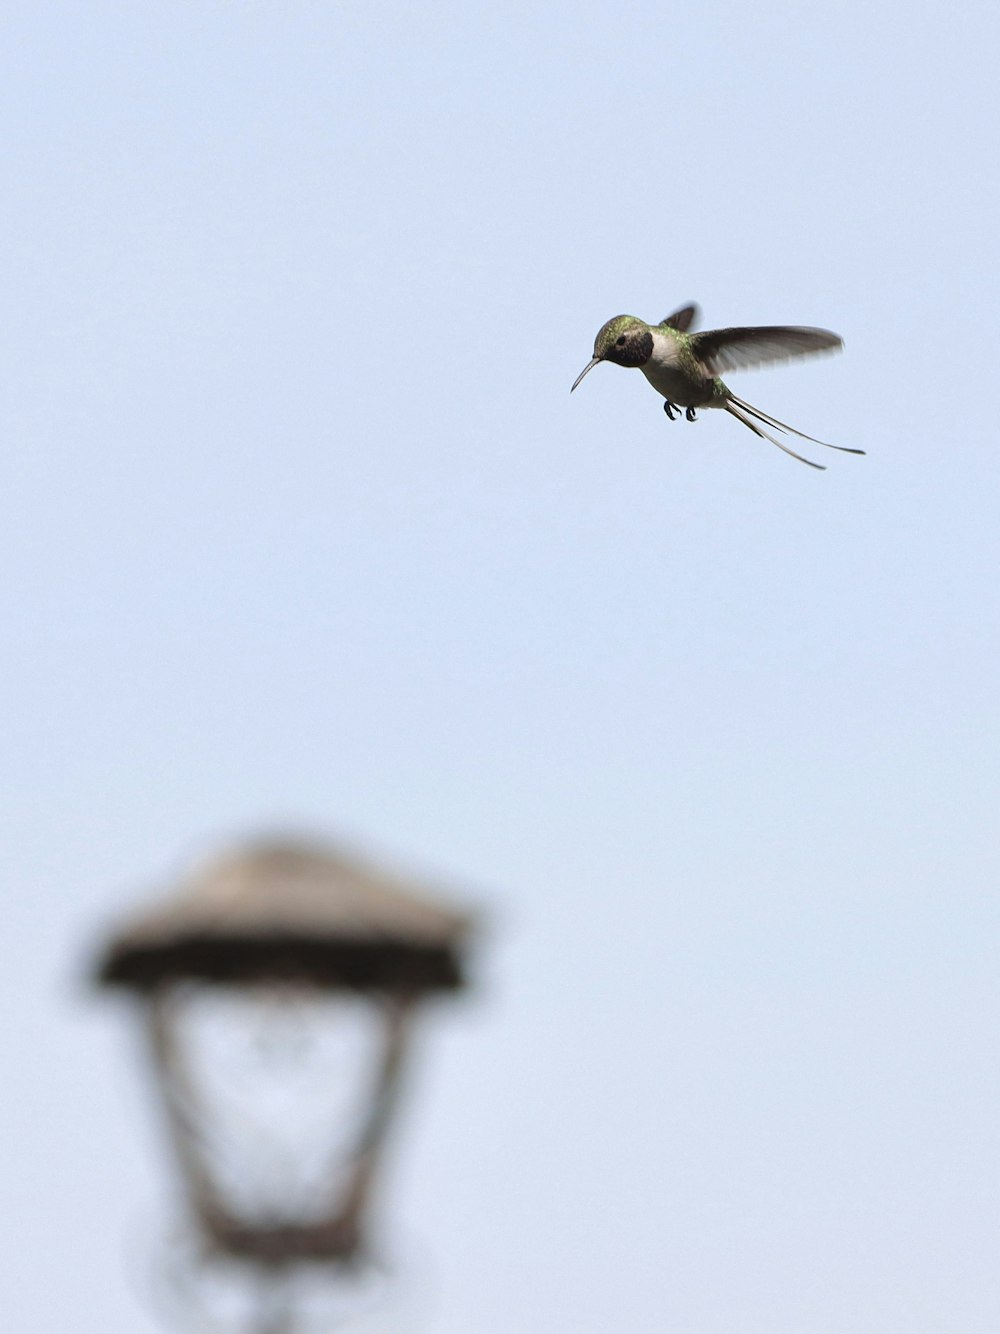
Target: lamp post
{"type": "Point", "coordinates": [286, 951]}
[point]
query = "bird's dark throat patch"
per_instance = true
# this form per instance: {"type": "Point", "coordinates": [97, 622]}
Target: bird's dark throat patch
{"type": "Point", "coordinates": [635, 351]}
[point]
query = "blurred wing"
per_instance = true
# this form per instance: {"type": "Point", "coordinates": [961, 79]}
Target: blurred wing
{"type": "Point", "coordinates": [738, 349]}
{"type": "Point", "coordinates": [682, 319]}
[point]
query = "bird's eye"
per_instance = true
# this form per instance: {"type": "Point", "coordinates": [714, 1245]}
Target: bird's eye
{"type": "Point", "coordinates": [621, 341]}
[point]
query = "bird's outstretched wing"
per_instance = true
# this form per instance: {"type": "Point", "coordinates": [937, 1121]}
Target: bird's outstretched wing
{"type": "Point", "coordinates": [738, 349]}
{"type": "Point", "coordinates": [682, 319]}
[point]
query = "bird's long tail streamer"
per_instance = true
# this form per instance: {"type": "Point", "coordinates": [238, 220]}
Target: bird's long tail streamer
{"type": "Point", "coordinates": [747, 421]}
{"type": "Point", "coordinates": [751, 416]}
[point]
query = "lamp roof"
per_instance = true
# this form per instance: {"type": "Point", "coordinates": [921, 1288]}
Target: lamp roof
{"type": "Point", "coordinates": [291, 910]}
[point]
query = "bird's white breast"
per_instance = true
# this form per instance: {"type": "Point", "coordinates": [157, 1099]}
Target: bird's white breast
{"type": "Point", "coordinates": [663, 370]}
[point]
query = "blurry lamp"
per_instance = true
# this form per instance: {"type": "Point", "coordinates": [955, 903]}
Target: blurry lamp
{"type": "Point", "coordinates": [277, 989]}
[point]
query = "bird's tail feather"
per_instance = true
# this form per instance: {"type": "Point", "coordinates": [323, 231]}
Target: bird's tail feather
{"type": "Point", "coordinates": [735, 407]}
{"type": "Point", "coordinates": [768, 420]}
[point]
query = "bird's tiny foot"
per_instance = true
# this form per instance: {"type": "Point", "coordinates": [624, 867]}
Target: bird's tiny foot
{"type": "Point", "coordinates": [690, 414]}
{"type": "Point", "coordinates": [669, 408]}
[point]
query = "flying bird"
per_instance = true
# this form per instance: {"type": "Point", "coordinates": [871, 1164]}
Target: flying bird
{"type": "Point", "coordinates": [685, 367]}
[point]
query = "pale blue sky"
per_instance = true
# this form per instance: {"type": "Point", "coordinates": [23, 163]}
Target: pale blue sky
{"type": "Point", "coordinates": [302, 527]}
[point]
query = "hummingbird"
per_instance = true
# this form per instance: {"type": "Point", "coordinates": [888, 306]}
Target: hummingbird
{"type": "Point", "coordinates": [685, 367]}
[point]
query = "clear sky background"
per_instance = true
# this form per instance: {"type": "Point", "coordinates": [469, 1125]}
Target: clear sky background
{"type": "Point", "coordinates": [301, 528]}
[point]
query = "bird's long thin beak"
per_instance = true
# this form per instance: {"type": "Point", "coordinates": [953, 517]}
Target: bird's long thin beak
{"type": "Point", "coordinates": [589, 367]}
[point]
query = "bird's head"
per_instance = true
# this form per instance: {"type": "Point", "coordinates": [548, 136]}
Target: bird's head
{"type": "Point", "coordinates": [624, 340]}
